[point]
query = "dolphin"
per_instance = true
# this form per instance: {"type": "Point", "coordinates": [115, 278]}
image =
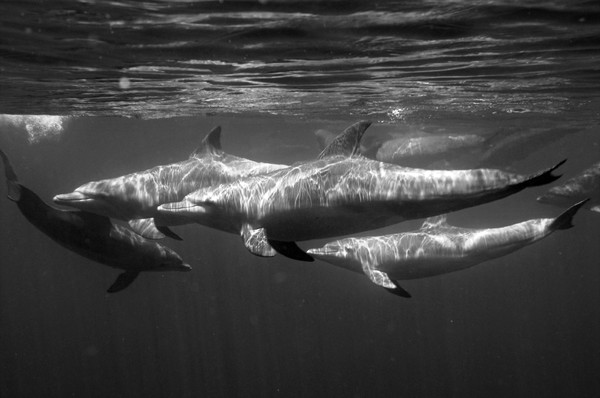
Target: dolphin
{"type": "Point", "coordinates": [586, 184]}
{"type": "Point", "coordinates": [436, 248]}
{"type": "Point", "coordinates": [135, 197]}
{"type": "Point", "coordinates": [93, 236]}
{"type": "Point", "coordinates": [343, 193]}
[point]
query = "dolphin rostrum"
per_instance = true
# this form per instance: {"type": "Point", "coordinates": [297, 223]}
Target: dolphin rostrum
{"type": "Point", "coordinates": [93, 236]}
{"type": "Point", "coordinates": [343, 192]}
{"type": "Point", "coordinates": [584, 185]}
{"type": "Point", "coordinates": [135, 197]}
{"type": "Point", "coordinates": [437, 248]}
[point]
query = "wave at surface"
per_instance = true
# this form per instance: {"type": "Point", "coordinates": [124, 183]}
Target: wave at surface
{"type": "Point", "coordinates": [315, 58]}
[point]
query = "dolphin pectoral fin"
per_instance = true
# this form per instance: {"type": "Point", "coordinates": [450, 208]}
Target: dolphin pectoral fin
{"type": "Point", "coordinates": [256, 242]}
{"type": "Point", "coordinates": [168, 232]}
{"type": "Point", "coordinates": [146, 228]}
{"type": "Point", "coordinates": [123, 280]}
{"type": "Point", "coordinates": [382, 279]}
{"type": "Point", "coordinates": [291, 250]}
{"type": "Point", "coordinates": [399, 291]}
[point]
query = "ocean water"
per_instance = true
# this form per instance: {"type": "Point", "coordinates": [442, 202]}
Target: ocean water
{"type": "Point", "coordinates": [91, 90]}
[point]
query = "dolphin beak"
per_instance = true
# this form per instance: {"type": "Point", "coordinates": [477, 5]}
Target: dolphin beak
{"type": "Point", "coordinates": [322, 252]}
{"type": "Point", "coordinates": [181, 207]}
{"type": "Point", "coordinates": [69, 198]}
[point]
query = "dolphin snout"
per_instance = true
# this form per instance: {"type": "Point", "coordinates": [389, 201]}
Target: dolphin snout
{"type": "Point", "coordinates": [181, 207]}
{"type": "Point", "coordinates": [72, 197]}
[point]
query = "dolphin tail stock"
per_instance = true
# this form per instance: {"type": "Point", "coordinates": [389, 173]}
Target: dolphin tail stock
{"type": "Point", "coordinates": [565, 220]}
{"type": "Point", "coordinates": [382, 279]}
{"type": "Point", "coordinates": [123, 281]}
{"type": "Point", "coordinates": [541, 178]}
{"type": "Point", "coordinates": [12, 183]}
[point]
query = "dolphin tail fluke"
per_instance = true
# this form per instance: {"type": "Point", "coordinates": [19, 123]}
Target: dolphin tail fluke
{"type": "Point", "coordinates": [123, 281]}
{"type": "Point", "coordinates": [542, 178]}
{"type": "Point", "coordinates": [290, 250]}
{"type": "Point", "coordinates": [565, 220]}
{"type": "Point", "coordinates": [14, 188]}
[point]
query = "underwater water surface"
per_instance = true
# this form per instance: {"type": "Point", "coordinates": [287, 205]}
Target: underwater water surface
{"type": "Point", "coordinates": [92, 90]}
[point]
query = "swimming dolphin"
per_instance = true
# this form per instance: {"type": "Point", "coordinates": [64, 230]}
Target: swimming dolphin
{"type": "Point", "coordinates": [437, 248]}
{"type": "Point", "coordinates": [135, 197]}
{"type": "Point", "coordinates": [343, 193]}
{"type": "Point", "coordinates": [93, 236]}
{"type": "Point", "coordinates": [586, 184]}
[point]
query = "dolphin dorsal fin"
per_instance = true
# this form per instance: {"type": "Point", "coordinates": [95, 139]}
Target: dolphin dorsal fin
{"type": "Point", "coordinates": [210, 144]}
{"type": "Point", "coordinates": [348, 142]}
{"type": "Point", "coordinates": [435, 222]}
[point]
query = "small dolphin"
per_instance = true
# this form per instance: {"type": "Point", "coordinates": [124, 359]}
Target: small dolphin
{"type": "Point", "coordinates": [584, 185]}
{"type": "Point", "coordinates": [343, 193]}
{"type": "Point", "coordinates": [93, 236]}
{"type": "Point", "coordinates": [437, 248]}
{"type": "Point", "coordinates": [135, 197]}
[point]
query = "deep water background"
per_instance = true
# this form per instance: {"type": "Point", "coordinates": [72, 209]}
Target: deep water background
{"type": "Point", "coordinates": [137, 84]}
{"type": "Point", "coordinates": [238, 325]}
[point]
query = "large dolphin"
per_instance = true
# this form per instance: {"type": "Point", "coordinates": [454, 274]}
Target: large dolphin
{"type": "Point", "coordinates": [437, 248]}
{"type": "Point", "coordinates": [93, 236]}
{"type": "Point", "coordinates": [584, 185]}
{"type": "Point", "coordinates": [343, 193]}
{"type": "Point", "coordinates": [135, 197]}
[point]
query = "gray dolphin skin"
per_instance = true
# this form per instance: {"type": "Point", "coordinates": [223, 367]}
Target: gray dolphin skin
{"type": "Point", "coordinates": [343, 193]}
{"type": "Point", "coordinates": [584, 185]}
{"type": "Point", "coordinates": [437, 248]}
{"type": "Point", "coordinates": [93, 236]}
{"type": "Point", "coordinates": [135, 197]}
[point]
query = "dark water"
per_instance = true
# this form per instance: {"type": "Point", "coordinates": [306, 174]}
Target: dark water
{"type": "Point", "coordinates": [271, 73]}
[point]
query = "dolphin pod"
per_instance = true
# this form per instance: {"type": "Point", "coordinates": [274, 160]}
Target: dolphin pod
{"type": "Point", "coordinates": [273, 206]}
{"type": "Point", "coordinates": [93, 236]}
{"type": "Point", "coordinates": [436, 248]}
{"type": "Point", "coordinates": [343, 193]}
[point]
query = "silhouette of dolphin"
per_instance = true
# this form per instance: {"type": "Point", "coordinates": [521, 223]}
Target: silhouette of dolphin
{"type": "Point", "coordinates": [584, 185]}
{"type": "Point", "coordinates": [342, 193]}
{"type": "Point", "coordinates": [93, 236]}
{"type": "Point", "coordinates": [437, 248]}
{"type": "Point", "coordinates": [135, 197]}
